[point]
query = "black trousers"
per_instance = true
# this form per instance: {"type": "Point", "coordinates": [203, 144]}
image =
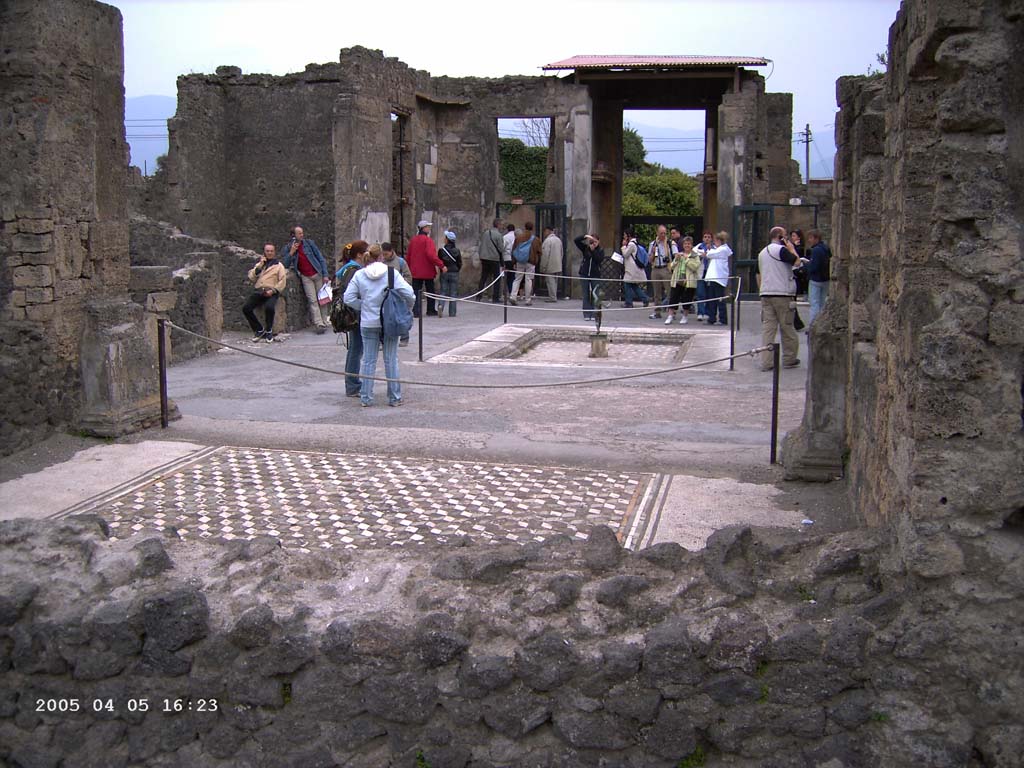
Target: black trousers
{"type": "Point", "coordinates": [488, 272]}
{"type": "Point", "coordinates": [418, 284]}
{"type": "Point", "coordinates": [255, 301]}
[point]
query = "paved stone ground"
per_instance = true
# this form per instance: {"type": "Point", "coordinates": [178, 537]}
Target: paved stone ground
{"type": "Point", "coordinates": [324, 501]}
{"type": "Point", "coordinates": [676, 455]}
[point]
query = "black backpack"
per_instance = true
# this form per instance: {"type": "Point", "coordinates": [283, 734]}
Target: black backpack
{"type": "Point", "coordinates": [343, 317]}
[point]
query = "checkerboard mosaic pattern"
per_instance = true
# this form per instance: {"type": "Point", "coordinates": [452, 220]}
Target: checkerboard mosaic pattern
{"type": "Point", "coordinates": [322, 501]}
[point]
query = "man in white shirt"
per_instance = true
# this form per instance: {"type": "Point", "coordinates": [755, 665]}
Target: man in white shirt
{"type": "Point", "coordinates": [775, 264]}
{"type": "Point", "coordinates": [506, 258]}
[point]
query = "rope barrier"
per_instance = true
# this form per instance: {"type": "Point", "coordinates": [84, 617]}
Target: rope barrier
{"type": "Point", "coordinates": [520, 305]}
{"type": "Point", "coordinates": [549, 385]}
{"type": "Point", "coordinates": [470, 297]}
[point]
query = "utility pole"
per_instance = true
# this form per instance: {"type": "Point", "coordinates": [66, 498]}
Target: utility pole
{"type": "Point", "coordinates": [807, 152]}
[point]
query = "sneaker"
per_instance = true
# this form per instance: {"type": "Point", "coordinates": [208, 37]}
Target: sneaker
{"type": "Point", "coordinates": [321, 330]}
{"type": "Point", "coordinates": [403, 342]}
{"type": "Point", "coordinates": [352, 394]}
{"type": "Point", "coordinates": [258, 337]}
{"type": "Point", "coordinates": [683, 320]}
{"type": "Point", "coordinates": [654, 316]}
{"type": "Point", "coordinates": [366, 403]}
{"type": "Point", "coordinates": [701, 318]}
{"type": "Point", "coordinates": [268, 337]}
{"type": "Point", "coordinates": [668, 320]}
{"type": "Point", "coordinates": [396, 404]}
{"type": "Point", "coordinates": [549, 300]}
{"type": "Point", "coordinates": [791, 364]}
{"type": "Point", "coordinates": [529, 302]}
{"type": "Point", "coordinates": [767, 367]}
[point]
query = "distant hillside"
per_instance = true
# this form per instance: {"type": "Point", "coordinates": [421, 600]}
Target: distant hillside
{"type": "Point", "coordinates": [145, 123]}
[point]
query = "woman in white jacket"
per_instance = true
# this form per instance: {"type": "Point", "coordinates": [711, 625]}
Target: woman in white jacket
{"type": "Point", "coordinates": [366, 293]}
{"type": "Point", "coordinates": [717, 278]}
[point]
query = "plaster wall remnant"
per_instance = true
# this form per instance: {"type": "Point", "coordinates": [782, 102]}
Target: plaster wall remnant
{"type": "Point", "coordinates": [924, 336]}
{"type": "Point", "coordinates": [64, 269]}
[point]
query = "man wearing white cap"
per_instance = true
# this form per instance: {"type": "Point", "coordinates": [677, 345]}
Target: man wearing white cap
{"type": "Point", "coordinates": [423, 263]}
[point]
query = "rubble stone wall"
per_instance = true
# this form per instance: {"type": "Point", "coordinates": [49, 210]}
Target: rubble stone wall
{"type": "Point", "coordinates": [63, 222]}
{"type": "Point", "coordinates": [210, 277]}
{"type": "Point", "coordinates": [250, 155]}
{"type": "Point", "coordinates": [927, 306]}
{"type": "Point", "coordinates": [769, 648]}
{"type": "Point", "coordinates": [246, 162]}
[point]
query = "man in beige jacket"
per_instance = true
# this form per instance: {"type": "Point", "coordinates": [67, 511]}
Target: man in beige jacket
{"type": "Point", "coordinates": [270, 278]}
{"type": "Point", "coordinates": [551, 261]}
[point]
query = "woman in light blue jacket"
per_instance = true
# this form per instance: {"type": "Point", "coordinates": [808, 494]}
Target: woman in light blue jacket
{"type": "Point", "coordinates": [366, 293]}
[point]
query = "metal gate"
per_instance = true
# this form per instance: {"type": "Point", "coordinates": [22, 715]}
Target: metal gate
{"type": "Point", "coordinates": [750, 227]}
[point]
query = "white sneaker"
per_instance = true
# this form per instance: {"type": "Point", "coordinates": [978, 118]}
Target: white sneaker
{"type": "Point", "coordinates": [668, 320]}
{"type": "Point", "coordinates": [683, 321]}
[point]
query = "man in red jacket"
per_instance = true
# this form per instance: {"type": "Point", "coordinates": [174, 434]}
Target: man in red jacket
{"type": "Point", "coordinates": [423, 263]}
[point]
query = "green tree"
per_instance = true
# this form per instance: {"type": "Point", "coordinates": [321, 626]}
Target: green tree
{"type": "Point", "coordinates": [633, 152]}
{"type": "Point", "coordinates": [669, 191]}
{"type": "Point", "coordinates": [523, 169]}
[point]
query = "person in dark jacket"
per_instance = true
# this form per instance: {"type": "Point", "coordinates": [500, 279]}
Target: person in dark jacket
{"type": "Point", "coordinates": [451, 257]}
{"type": "Point", "coordinates": [818, 271]}
{"type": "Point", "coordinates": [590, 271]}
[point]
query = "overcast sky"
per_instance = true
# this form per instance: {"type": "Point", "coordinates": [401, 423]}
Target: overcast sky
{"type": "Point", "coordinates": [811, 42]}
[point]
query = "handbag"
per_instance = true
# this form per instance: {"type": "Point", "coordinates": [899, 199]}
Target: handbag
{"type": "Point", "coordinates": [325, 295]}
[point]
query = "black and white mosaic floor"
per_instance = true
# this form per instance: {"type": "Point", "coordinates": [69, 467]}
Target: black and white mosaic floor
{"type": "Point", "coordinates": [323, 501]}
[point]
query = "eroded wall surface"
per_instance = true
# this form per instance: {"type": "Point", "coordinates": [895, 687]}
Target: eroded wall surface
{"type": "Point", "coordinates": [251, 155]}
{"type": "Point", "coordinates": [64, 268]}
{"type": "Point", "coordinates": [768, 648]}
{"type": "Point", "coordinates": [926, 330]}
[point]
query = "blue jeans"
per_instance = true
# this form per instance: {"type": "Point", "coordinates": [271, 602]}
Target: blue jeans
{"type": "Point", "coordinates": [702, 293]}
{"type": "Point", "coordinates": [589, 286]}
{"type": "Point", "coordinates": [817, 292]}
{"type": "Point", "coordinates": [449, 287]}
{"type": "Point", "coordinates": [352, 361]}
{"type": "Point", "coordinates": [372, 339]}
{"type": "Point", "coordinates": [634, 291]}
{"type": "Point", "coordinates": [716, 309]}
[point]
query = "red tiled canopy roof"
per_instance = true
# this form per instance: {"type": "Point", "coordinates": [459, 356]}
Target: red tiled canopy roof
{"type": "Point", "coordinates": [655, 62]}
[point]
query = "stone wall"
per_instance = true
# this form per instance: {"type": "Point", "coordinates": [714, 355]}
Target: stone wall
{"type": "Point", "coordinates": [928, 310]}
{"type": "Point", "coordinates": [769, 648]}
{"type": "Point", "coordinates": [64, 229]}
{"type": "Point", "coordinates": [210, 277]}
{"type": "Point", "coordinates": [247, 162]}
{"type": "Point", "coordinates": [250, 155]}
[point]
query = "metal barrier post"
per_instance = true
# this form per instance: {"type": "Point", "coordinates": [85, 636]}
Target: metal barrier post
{"type": "Point", "coordinates": [732, 336]}
{"type": "Point", "coordinates": [421, 324]}
{"type": "Point", "coordinates": [504, 294]}
{"type": "Point", "coordinates": [161, 343]}
{"type": "Point", "coordinates": [736, 301]}
{"type": "Point", "coordinates": [775, 400]}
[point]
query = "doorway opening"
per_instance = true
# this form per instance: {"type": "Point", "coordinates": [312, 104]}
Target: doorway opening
{"type": "Point", "coordinates": [401, 181]}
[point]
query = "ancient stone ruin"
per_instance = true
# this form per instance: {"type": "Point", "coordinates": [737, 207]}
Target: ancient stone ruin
{"type": "Point", "coordinates": [896, 645]}
{"type": "Point", "coordinates": [74, 349]}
